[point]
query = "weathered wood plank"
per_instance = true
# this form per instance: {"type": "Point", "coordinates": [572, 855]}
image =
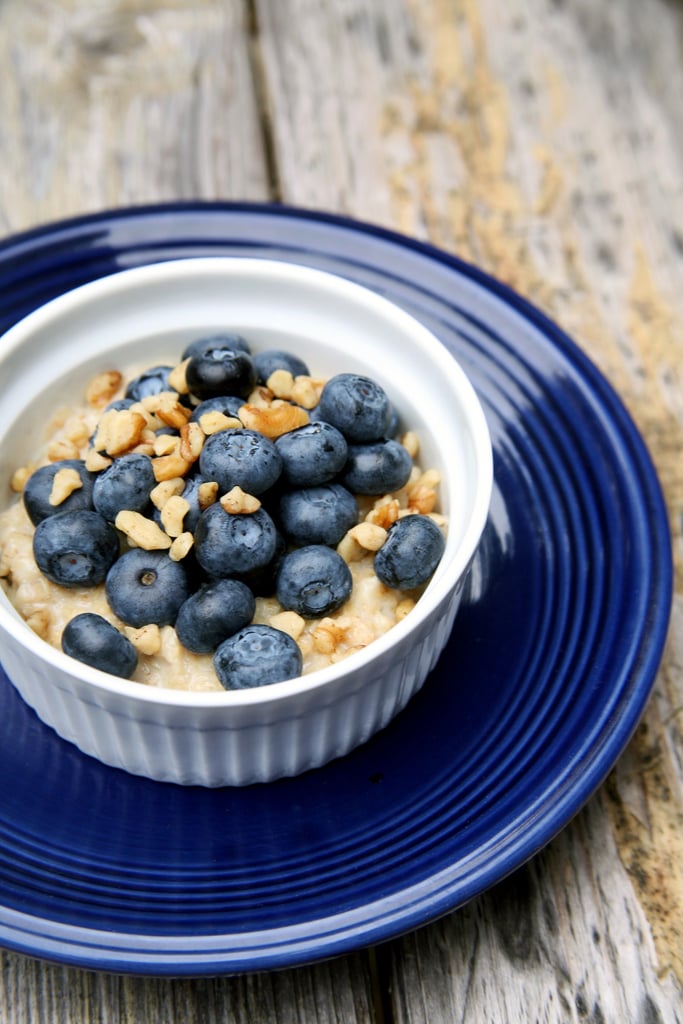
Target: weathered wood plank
{"type": "Point", "coordinates": [541, 140]}
{"type": "Point", "coordinates": [123, 101]}
{"type": "Point", "coordinates": [39, 993]}
{"type": "Point", "coordinates": [104, 104]}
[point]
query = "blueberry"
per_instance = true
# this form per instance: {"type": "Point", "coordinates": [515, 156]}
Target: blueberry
{"type": "Point", "coordinates": [38, 488]}
{"type": "Point", "coordinates": [257, 656]}
{"type": "Point", "coordinates": [318, 515]}
{"type": "Point", "coordinates": [124, 485]}
{"type": "Point", "coordinates": [75, 549]}
{"type": "Point", "coordinates": [242, 458]}
{"type": "Point", "coordinates": [410, 554]}
{"type": "Point", "coordinates": [230, 545]}
{"type": "Point", "coordinates": [313, 581]}
{"type": "Point", "coordinates": [357, 406]}
{"type": "Point", "coordinates": [213, 614]}
{"type": "Point", "coordinates": [151, 382]}
{"type": "Point", "coordinates": [312, 454]}
{"type": "Point", "coordinates": [229, 405]}
{"type": "Point", "coordinates": [93, 640]}
{"type": "Point", "coordinates": [220, 371]}
{"type": "Point", "coordinates": [228, 340]}
{"type": "Point", "coordinates": [261, 581]}
{"type": "Point", "coordinates": [377, 468]}
{"type": "Point", "coordinates": [273, 359]}
{"type": "Point", "coordinates": [145, 587]}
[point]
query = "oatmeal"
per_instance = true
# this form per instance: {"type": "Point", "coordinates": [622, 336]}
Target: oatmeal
{"type": "Point", "coordinates": [192, 464]}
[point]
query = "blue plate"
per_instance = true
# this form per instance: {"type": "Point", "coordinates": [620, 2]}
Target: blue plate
{"type": "Point", "coordinates": [540, 687]}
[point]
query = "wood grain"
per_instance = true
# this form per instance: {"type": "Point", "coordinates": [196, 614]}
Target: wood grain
{"type": "Point", "coordinates": [538, 138]}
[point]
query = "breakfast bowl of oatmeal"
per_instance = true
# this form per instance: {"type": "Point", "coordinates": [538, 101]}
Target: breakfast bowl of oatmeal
{"type": "Point", "coordinates": [239, 500]}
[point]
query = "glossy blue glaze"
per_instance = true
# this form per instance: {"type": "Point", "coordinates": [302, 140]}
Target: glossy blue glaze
{"type": "Point", "coordinates": [540, 687]}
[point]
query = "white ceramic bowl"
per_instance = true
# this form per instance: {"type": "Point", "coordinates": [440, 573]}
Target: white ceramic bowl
{"type": "Point", "coordinates": [148, 314]}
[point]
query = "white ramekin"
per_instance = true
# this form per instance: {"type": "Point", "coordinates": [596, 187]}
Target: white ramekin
{"type": "Point", "coordinates": [147, 315]}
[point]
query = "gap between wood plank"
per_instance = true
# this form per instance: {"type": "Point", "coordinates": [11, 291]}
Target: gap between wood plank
{"type": "Point", "coordinates": [263, 105]}
{"type": "Point", "coordinates": [379, 968]}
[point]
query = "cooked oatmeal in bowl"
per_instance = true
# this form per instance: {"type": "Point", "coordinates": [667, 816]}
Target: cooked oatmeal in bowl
{"type": "Point", "coordinates": [217, 591]}
{"type": "Point", "coordinates": [74, 461]}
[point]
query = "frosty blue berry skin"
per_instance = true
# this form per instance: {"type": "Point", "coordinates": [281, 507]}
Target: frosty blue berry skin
{"type": "Point", "coordinates": [94, 641]}
{"type": "Point", "coordinates": [75, 549]}
{"type": "Point", "coordinates": [257, 656]}
{"type": "Point", "coordinates": [144, 587]}
{"type": "Point", "coordinates": [272, 359]}
{"type": "Point", "coordinates": [213, 613]}
{"type": "Point", "coordinates": [38, 488]}
{"type": "Point", "coordinates": [225, 340]}
{"type": "Point", "coordinates": [313, 581]}
{"type": "Point", "coordinates": [241, 458]}
{"type": "Point", "coordinates": [124, 485]}
{"type": "Point", "coordinates": [357, 406]}
{"type": "Point", "coordinates": [151, 382]}
{"type": "Point", "coordinates": [228, 405]}
{"type": "Point", "coordinates": [220, 371]}
{"type": "Point", "coordinates": [410, 554]}
{"type": "Point", "coordinates": [317, 515]}
{"type": "Point", "coordinates": [312, 454]}
{"type": "Point", "coordinates": [227, 544]}
{"type": "Point", "coordinates": [377, 468]}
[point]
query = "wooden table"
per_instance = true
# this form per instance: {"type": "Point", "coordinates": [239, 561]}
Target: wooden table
{"type": "Point", "coordinates": [540, 139]}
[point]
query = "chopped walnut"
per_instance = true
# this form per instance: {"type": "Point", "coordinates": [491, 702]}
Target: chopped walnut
{"type": "Point", "coordinates": [411, 443]}
{"type": "Point", "coordinates": [165, 490]}
{"type": "Point", "coordinates": [279, 418]}
{"type": "Point", "coordinates": [118, 431]}
{"type": "Point", "coordinates": [169, 410]}
{"type": "Point", "coordinates": [64, 483]}
{"type": "Point", "coordinates": [62, 449]}
{"type": "Point", "coordinates": [369, 535]}
{"type": "Point", "coordinates": [102, 388]}
{"type": "Point", "coordinates": [238, 502]}
{"type": "Point", "coordinates": [145, 639]}
{"type": "Point", "coordinates": [177, 378]}
{"type": "Point", "coordinates": [207, 494]}
{"type": "Point", "coordinates": [327, 636]}
{"type": "Point", "coordinates": [164, 444]}
{"type": "Point", "coordinates": [214, 422]}
{"type": "Point", "coordinates": [95, 462]}
{"type": "Point", "coordinates": [191, 441]}
{"type": "Point", "coordinates": [421, 499]}
{"type": "Point", "coordinates": [181, 546]}
{"type": "Point", "coordinates": [173, 513]}
{"type": "Point", "coordinates": [20, 476]}
{"type": "Point", "coordinates": [280, 383]}
{"type": "Point", "coordinates": [166, 467]}
{"type": "Point", "coordinates": [289, 622]}
{"type": "Point", "coordinates": [141, 532]}
{"type": "Point", "coordinates": [385, 513]}
{"type": "Point", "coordinates": [306, 391]}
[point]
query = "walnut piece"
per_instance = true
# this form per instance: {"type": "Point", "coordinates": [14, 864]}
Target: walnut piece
{"type": "Point", "coordinates": [275, 420]}
{"type": "Point", "coordinates": [64, 483]}
{"type": "Point", "coordinates": [102, 388]}
{"type": "Point", "coordinates": [141, 532]}
{"type": "Point", "coordinates": [238, 502]}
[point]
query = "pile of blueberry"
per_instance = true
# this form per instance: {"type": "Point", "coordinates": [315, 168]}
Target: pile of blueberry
{"type": "Point", "coordinates": [306, 480]}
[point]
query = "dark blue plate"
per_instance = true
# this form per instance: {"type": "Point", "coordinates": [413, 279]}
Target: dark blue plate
{"type": "Point", "coordinates": [540, 687]}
